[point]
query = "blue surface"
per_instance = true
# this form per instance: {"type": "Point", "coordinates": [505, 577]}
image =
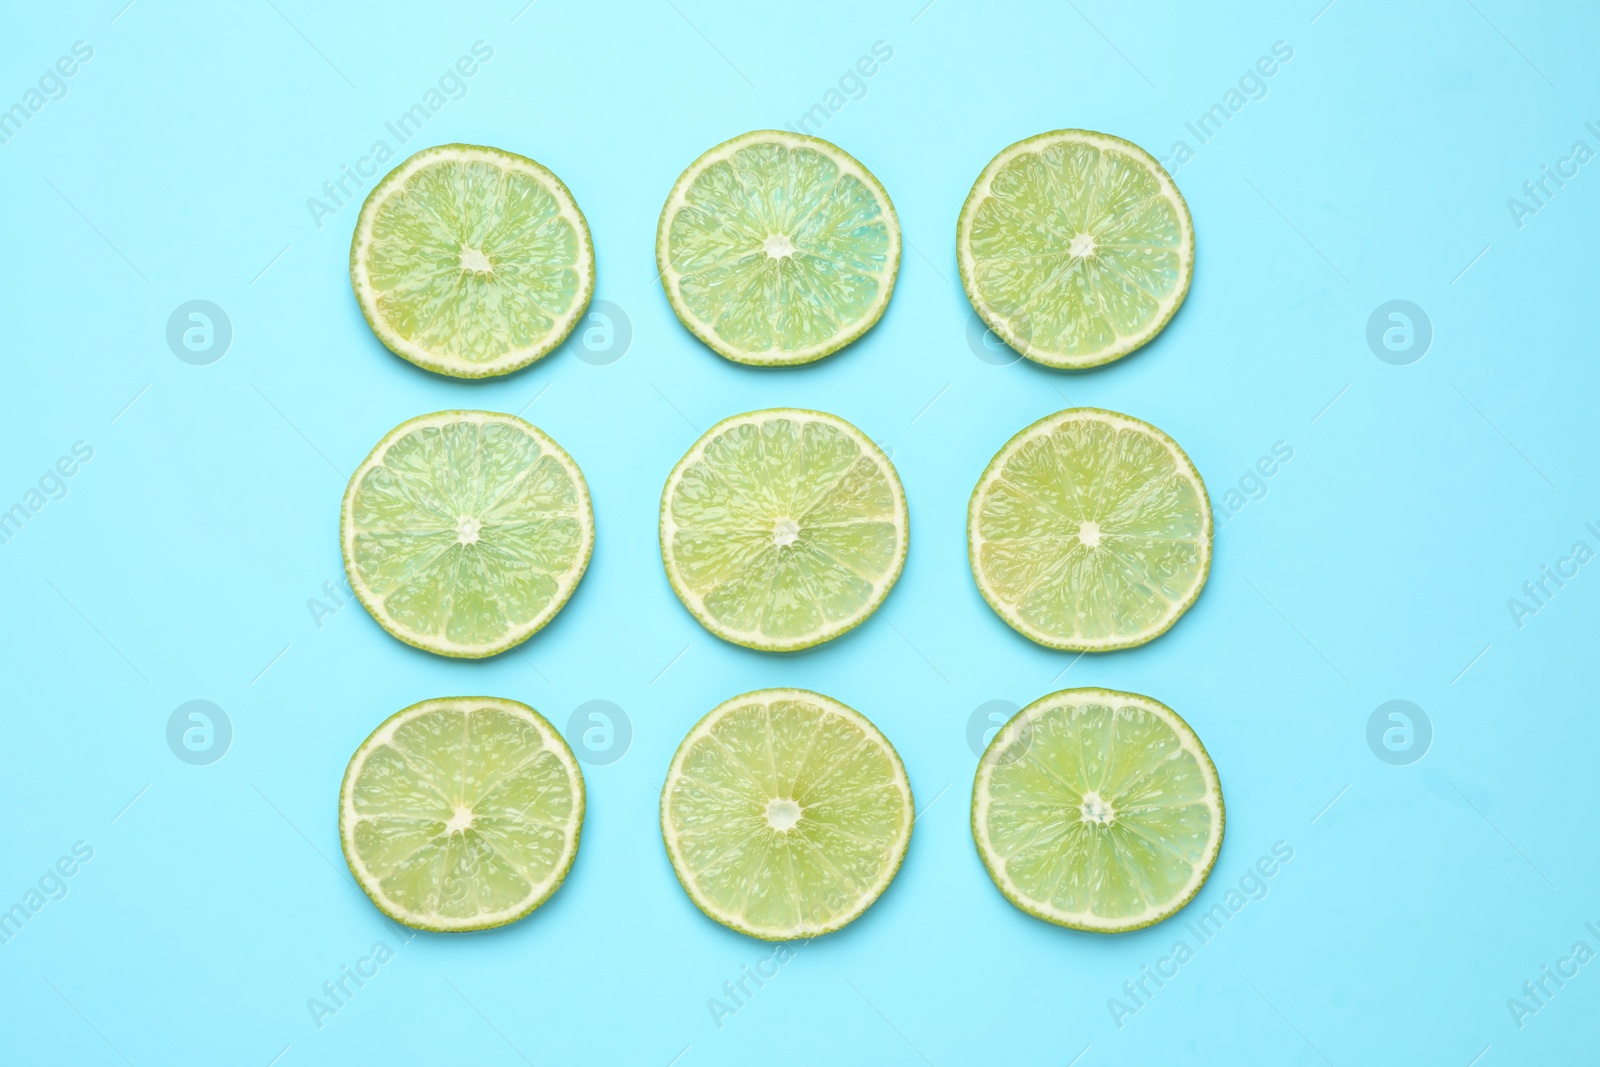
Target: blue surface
{"type": "Point", "coordinates": [186, 558]}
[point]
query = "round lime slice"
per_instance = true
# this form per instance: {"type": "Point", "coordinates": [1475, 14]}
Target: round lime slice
{"type": "Point", "coordinates": [1097, 810]}
{"type": "Point", "coordinates": [1075, 247]}
{"type": "Point", "coordinates": [464, 532]}
{"type": "Point", "coordinates": [776, 248]}
{"type": "Point", "coordinates": [461, 813]}
{"type": "Point", "coordinates": [1089, 531]}
{"type": "Point", "coordinates": [782, 529]}
{"type": "Point", "coordinates": [785, 814]}
{"type": "Point", "coordinates": [470, 261]}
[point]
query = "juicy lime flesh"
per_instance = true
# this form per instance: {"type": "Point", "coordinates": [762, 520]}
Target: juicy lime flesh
{"type": "Point", "coordinates": [778, 250]}
{"type": "Point", "coordinates": [471, 260]}
{"type": "Point", "coordinates": [1076, 247]}
{"type": "Point", "coordinates": [465, 529]}
{"type": "Point", "coordinates": [786, 815]}
{"type": "Point", "coordinates": [783, 527]}
{"type": "Point", "coordinates": [1104, 812]}
{"type": "Point", "coordinates": [463, 812]}
{"type": "Point", "coordinates": [1092, 532]}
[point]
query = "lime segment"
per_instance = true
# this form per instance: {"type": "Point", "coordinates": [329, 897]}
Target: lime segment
{"type": "Point", "coordinates": [461, 813]}
{"type": "Point", "coordinates": [1097, 810]}
{"type": "Point", "coordinates": [464, 532]}
{"type": "Point", "coordinates": [1089, 531]}
{"type": "Point", "coordinates": [781, 529]}
{"type": "Point", "coordinates": [776, 248]}
{"type": "Point", "coordinates": [1075, 247]}
{"type": "Point", "coordinates": [785, 814]}
{"type": "Point", "coordinates": [470, 261]}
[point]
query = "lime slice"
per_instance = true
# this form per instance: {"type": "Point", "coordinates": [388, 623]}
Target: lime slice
{"type": "Point", "coordinates": [776, 248]}
{"type": "Point", "coordinates": [1075, 247]}
{"type": "Point", "coordinates": [1097, 810]}
{"type": "Point", "coordinates": [464, 532]}
{"type": "Point", "coordinates": [470, 261]}
{"type": "Point", "coordinates": [785, 814]}
{"type": "Point", "coordinates": [1089, 531]}
{"type": "Point", "coordinates": [461, 813]}
{"type": "Point", "coordinates": [782, 529]}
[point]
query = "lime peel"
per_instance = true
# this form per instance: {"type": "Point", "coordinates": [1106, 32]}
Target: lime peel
{"type": "Point", "coordinates": [1063, 796]}
{"type": "Point", "coordinates": [456, 827]}
{"type": "Point", "coordinates": [805, 265]}
{"type": "Point", "coordinates": [785, 814]}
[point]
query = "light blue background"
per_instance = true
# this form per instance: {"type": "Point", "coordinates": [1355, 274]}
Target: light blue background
{"type": "Point", "coordinates": [1378, 565]}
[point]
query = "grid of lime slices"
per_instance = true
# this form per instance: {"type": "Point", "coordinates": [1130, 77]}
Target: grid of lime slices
{"type": "Point", "coordinates": [785, 814]}
{"type": "Point", "coordinates": [1089, 531]}
{"type": "Point", "coordinates": [464, 532]}
{"type": "Point", "coordinates": [461, 813]}
{"type": "Point", "coordinates": [1075, 247]}
{"type": "Point", "coordinates": [776, 248]}
{"type": "Point", "coordinates": [782, 529]}
{"type": "Point", "coordinates": [471, 261]}
{"type": "Point", "coordinates": [1097, 810]}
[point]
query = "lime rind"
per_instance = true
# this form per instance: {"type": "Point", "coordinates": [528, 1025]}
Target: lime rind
{"type": "Point", "coordinates": [1018, 729]}
{"type": "Point", "coordinates": [754, 638]}
{"type": "Point", "coordinates": [1014, 333]}
{"type": "Point", "coordinates": [514, 358]}
{"type": "Point", "coordinates": [1009, 612]}
{"type": "Point", "coordinates": [671, 277]}
{"type": "Point", "coordinates": [566, 583]}
{"type": "Point", "coordinates": [866, 896]}
{"type": "Point", "coordinates": [349, 817]}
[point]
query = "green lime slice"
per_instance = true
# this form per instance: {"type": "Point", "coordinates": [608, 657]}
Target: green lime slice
{"type": "Point", "coordinates": [1075, 247]}
{"type": "Point", "coordinates": [785, 814]}
{"type": "Point", "coordinates": [776, 248]}
{"type": "Point", "coordinates": [461, 813]}
{"type": "Point", "coordinates": [470, 261]}
{"type": "Point", "coordinates": [464, 532]}
{"type": "Point", "coordinates": [782, 529]}
{"type": "Point", "coordinates": [1090, 530]}
{"type": "Point", "coordinates": [1097, 810]}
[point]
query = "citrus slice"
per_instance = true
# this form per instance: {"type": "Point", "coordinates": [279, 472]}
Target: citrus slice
{"type": "Point", "coordinates": [776, 248]}
{"type": "Point", "coordinates": [785, 814]}
{"type": "Point", "coordinates": [1090, 530]}
{"type": "Point", "coordinates": [1075, 247]}
{"type": "Point", "coordinates": [464, 532]}
{"type": "Point", "coordinates": [470, 261]}
{"type": "Point", "coordinates": [1097, 810]}
{"type": "Point", "coordinates": [782, 529]}
{"type": "Point", "coordinates": [461, 813]}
